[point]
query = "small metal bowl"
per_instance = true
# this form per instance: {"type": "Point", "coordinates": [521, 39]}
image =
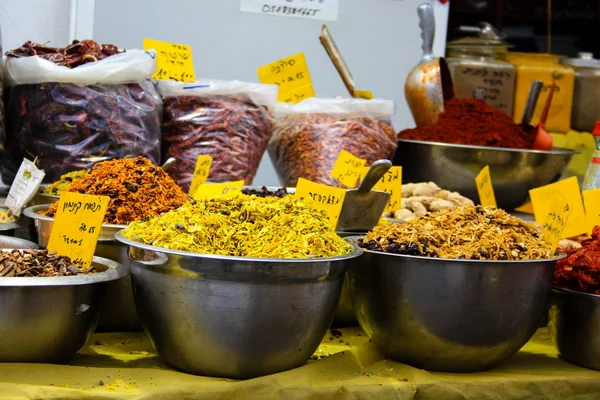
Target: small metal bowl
{"type": "Point", "coordinates": [8, 228]}
{"type": "Point", "coordinates": [234, 317]}
{"type": "Point", "coordinates": [574, 324]}
{"type": "Point", "coordinates": [47, 320]}
{"type": "Point", "coordinates": [119, 313]}
{"type": "Point", "coordinates": [41, 198]}
{"type": "Point", "coordinates": [449, 315]}
{"type": "Point", "coordinates": [454, 167]}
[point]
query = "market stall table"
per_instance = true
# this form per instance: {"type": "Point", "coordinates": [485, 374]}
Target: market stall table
{"type": "Point", "coordinates": [124, 365]}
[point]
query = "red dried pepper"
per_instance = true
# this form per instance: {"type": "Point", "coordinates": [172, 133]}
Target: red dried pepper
{"type": "Point", "coordinates": [473, 122]}
{"type": "Point", "coordinates": [74, 55]}
{"type": "Point", "coordinates": [581, 269]}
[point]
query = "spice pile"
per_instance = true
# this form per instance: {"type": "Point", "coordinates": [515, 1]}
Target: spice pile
{"type": "Point", "coordinates": [473, 232]}
{"type": "Point", "coordinates": [473, 122]}
{"type": "Point", "coordinates": [40, 263]}
{"type": "Point", "coordinates": [264, 192]}
{"type": "Point", "coordinates": [581, 269]}
{"type": "Point", "coordinates": [74, 55]}
{"type": "Point", "coordinates": [6, 217]}
{"type": "Point", "coordinates": [64, 182]}
{"type": "Point", "coordinates": [231, 129]}
{"type": "Point", "coordinates": [245, 226]}
{"type": "Point", "coordinates": [137, 189]}
{"type": "Point", "coordinates": [421, 198]}
{"type": "Point", "coordinates": [307, 145]}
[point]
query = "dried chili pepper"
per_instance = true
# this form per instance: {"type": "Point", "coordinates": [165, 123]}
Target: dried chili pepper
{"type": "Point", "coordinates": [231, 129]}
{"type": "Point", "coordinates": [137, 189]}
{"type": "Point", "coordinates": [307, 145]}
{"type": "Point", "coordinates": [581, 269]}
{"type": "Point", "coordinates": [72, 56]}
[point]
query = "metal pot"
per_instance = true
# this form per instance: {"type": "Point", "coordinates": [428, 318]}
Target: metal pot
{"type": "Point", "coordinates": [586, 95]}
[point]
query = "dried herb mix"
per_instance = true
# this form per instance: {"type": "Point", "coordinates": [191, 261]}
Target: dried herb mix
{"type": "Point", "coordinates": [472, 232]}
{"type": "Point", "coordinates": [137, 189]}
{"type": "Point", "coordinates": [264, 192]}
{"type": "Point", "coordinates": [64, 182]}
{"type": "Point", "coordinates": [231, 129]}
{"type": "Point", "coordinates": [246, 226]}
{"type": "Point", "coordinates": [39, 263]}
{"type": "Point", "coordinates": [307, 145]}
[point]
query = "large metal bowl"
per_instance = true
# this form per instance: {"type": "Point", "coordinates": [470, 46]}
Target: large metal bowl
{"type": "Point", "coordinates": [449, 315]}
{"type": "Point", "coordinates": [574, 324]}
{"type": "Point", "coordinates": [49, 319]}
{"type": "Point", "coordinates": [234, 317]}
{"type": "Point", "coordinates": [119, 313]}
{"type": "Point", "coordinates": [454, 167]}
{"type": "Point", "coordinates": [10, 242]}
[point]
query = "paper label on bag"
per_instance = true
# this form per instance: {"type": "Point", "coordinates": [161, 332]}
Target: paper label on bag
{"type": "Point", "coordinates": [325, 197]}
{"type": "Point", "coordinates": [201, 172]}
{"type": "Point", "coordinates": [25, 186]}
{"type": "Point", "coordinates": [556, 221]}
{"type": "Point", "coordinates": [173, 61]}
{"type": "Point", "coordinates": [347, 168]}
{"type": "Point", "coordinates": [485, 188]}
{"type": "Point", "coordinates": [390, 183]}
{"type": "Point", "coordinates": [291, 75]}
{"type": "Point", "coordinates": [211, 190]}
{"type": "Point", "coordinates": [591, 200]}
{"type": "Point", "coordinates": [77, 226]}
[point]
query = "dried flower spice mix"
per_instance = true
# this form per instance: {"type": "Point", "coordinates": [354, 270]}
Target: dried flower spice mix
{"type": "Point", "coordinates": [40, 263]}
{"type": "Point", "coordinates": [248, 226]}
{"type": "Point", "coordinates": [64, 182]}
{"type": "Point", "coordinates": [137, 189]}
{"type": "Point", "coordinates": [472, 232]}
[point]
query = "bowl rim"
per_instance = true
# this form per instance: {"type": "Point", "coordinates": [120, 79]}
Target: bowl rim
{"type": "Point", "coordinates": [356, 252]}
{"type": "Point", "coordinates": [555, 150]}
{"type": "Point", "coordinates": [31, 212]}
{"type": "Point", "coordinates": [114, 272]}
{"type": "Point", "coordinates": [559, 255]}
{"type": "Point", "coordinates": [575, 292]}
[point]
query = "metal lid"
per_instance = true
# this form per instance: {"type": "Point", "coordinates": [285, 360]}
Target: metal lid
{"type": "Point", "coordinates": [583, 59]}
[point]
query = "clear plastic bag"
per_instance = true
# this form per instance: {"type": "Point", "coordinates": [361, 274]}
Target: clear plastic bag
{"type": "Point", "coordinates": [227, 120]}
{"type": "Point", "coordinates": [70, 118]}
{"type": "Point", "coordinates": [309, 136]}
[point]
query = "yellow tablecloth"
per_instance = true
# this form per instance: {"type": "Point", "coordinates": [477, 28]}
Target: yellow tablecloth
{"type": "Point", "coordinates": [124, 365]}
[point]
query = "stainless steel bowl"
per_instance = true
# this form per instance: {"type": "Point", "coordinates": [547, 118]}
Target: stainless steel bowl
{"type": "Point", "coordinates": [454, 167]}
{"type": "Point", "coordinates": [41, 199]}
{"type": "Point", "coordinates": [8, 228]}
{"type": "Point", "coordinates": [9, 242]}
{"type": "Point", "coordinates": [574, 324]}
{"type": "Point", "coordinates": [49, 319]}
{"type": "Point", "coordinates": [449, 315]}
{"type": "Point", "coordinates": [119, 313]}
{"type": "Point", "coordinates": [234, 317]}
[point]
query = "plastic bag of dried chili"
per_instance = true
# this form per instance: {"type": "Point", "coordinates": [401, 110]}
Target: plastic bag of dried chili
{"type": "Point", "coordinates": [227, 120]}
{"type": "Point", "coordinates": [70, 118]}
{"type": "Point", "coordinates": [310, 135]}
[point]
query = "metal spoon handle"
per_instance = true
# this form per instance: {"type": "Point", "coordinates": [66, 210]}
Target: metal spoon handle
{"type": "Point", "coordinates": [532, 99]}
{"type": "Point", "coordinates": [375, 173]}
{"type": "Point", "coordinates": [168, 163]}
{"type": "Point", "coordinates": [427, 25]}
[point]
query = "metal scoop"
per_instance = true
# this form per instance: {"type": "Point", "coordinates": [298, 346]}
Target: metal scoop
{"type": "Point", "coordinates": [423, 87]}
{"type": "Point", "coordinates": [363, 207]}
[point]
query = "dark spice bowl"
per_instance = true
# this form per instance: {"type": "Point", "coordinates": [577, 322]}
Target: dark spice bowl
{"type": "Point", "coordinates": [574, 324]}
{"type": "Point", "coordinates": [48, 319]}
{"type": "Point", "coordinates": [119, 313]}
{"type": "Point", "coordinates": [449, 315]}
{"type": "Point", "coordinates": [454, 167]}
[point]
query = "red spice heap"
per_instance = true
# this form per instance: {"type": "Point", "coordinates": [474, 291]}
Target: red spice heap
{"type": "Point", "coordinates": [581, 269]}
{"type": "Point", "coordinates": [473, 122]}
{"type": "Point", "coordinates": [74, 55]}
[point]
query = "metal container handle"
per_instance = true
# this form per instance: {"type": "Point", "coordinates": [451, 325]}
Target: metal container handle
{"type": "Point", "coordinates": [427, 25]}
{"type": "Point", "coordinates": [375, 173]}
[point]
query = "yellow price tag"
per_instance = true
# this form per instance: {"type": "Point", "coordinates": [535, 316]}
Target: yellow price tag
{"type": "Point", "coordinates": [292, 76]}
{"type": "Point", "coordinates": [485, 188]}
{"type": "Point", "coordinates": [347, 168]}
{"type": "Point", "coordinates": [390, 183]}
{"type": "Point", "coordinates": [541, 199]}
{"type": "Point", "coordinates": [325, 197]}
{"type": "Point", "coordinates": [556, 221]}
{"type": "Point", "coordinates": [210, 190]}
{"type": "Point", "coordinates": [77, 226]}
{"type": "Point", "coordinates": [363, 94]}
{"type": "Point", "coordinates": [173, 61]}
{"type": "Point", "coordinates": [201, 171]}
{"type": "Point", "coordinates": [591, 199]}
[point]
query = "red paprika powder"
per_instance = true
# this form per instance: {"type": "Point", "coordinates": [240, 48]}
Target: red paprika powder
{"type": "Point", "coordinates": [473, 122]}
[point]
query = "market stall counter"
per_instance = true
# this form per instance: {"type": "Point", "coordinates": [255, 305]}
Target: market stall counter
{"type": "Point", "coordinates": [124, 365]}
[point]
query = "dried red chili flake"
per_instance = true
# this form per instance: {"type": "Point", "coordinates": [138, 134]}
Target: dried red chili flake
{"type": "Point", "coordinates": [307, 145]}
{"type": "Point", "coordinates": [580, 271]}
{"type": "Point", "coordinates": [137, 189]}
{"type": "Point", "coordinates": [231, 129]}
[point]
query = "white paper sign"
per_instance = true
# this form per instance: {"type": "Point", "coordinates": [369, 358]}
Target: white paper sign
{"type": "Point", "coordinates": [325, 10]}
{"type": "Point", "coordinates": [24, 187]}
